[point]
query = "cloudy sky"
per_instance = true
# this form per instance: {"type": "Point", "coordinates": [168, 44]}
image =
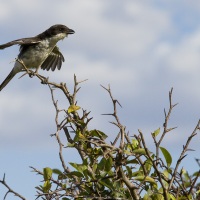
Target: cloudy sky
{"type": "Point", "coordinates": [141, 48]}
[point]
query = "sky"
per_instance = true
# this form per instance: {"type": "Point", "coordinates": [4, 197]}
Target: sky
{"type": "Point", "coordinates": [141, 48]}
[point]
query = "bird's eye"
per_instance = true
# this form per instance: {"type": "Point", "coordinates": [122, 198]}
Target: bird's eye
{"type": "Point", "coordinates": [61, 29]}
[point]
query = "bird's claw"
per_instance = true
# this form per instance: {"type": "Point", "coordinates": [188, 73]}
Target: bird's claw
{"type": "Point", "coordinates": [31, 74]}
{"type": "Point", "coordinates": [44, 80]}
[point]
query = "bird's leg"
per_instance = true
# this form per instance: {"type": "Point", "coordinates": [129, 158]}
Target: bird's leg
{"type": "Point", "coordinates": [30, 72]}
{"type": "Point", "coordinates": [36, 71]}
{"type": "Point", "coordinates": [43, 79]}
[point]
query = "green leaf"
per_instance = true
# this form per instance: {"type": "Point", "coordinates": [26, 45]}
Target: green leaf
{"type": "Point", "coordinates": [62, 176]}
{"type": "Point", "coordinates": [140, 151]}
{"type": "Point", "coordinates": [146, 197]}
{"type": "Point", "coordinates": [132, 161]}
{"type": "Point", "coordinates": [129, 170]}
{"type": "Point", "coordinates": [156, 132]}
{"type": "Point", "coordinates": [56, 171]}
{"type": "Point", "coordinates": [79, 136]}
{"type": "Point", "coordinates": [134, 143]}
{"type": "Point", "coordinates": [88, 174]}
{"type": "Point", "coordinates": [157, 197]}
{"type": "Point", "coordinates": [70, 144]}
{"type": "Point", "coordinates": [148, 164]}
{"type": "Point", "coordinates": [196, 173]}
{"type": "Point", "coordinates": [73, 108]}
{"type": "Point", "coordinates": [78, 167]}
{"type": "Point", "coordinates": [94, 167]}
{"type": "Point", "coordinates": [166, 173]}
{"type": "Point", "coordinates": [74, 173]}
{"type": "Point", "coordinates": [108, 164]}
{"type": "Point", "coordinates": [107, 183]}
{"type": "Point", "coordinates": [128, 152]}
{"type": "Point", "coordinates": [98, 134]}
{"type": "Point", "coordinates": [85, 161]}
{"type": "Point", "coordinates": [146, 179]}
{"type": "Point", "coordinates": [46, 186]}
{"type": "Point", "coordinates": [138, 173]}
{"type": "Point", "coordinates": [47, 173]}
{"type": "Point", "coordinates": [101, 164]}
{"type": "Point", "coordinates": [171, 197]}
{"type": "Point", "coordinates": [168, 157]}
{"type": "Point", "coordinates": [88, 189]}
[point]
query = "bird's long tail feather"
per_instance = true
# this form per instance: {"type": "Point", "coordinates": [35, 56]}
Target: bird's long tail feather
{"type": "Point", "coordinates": [8, 78]}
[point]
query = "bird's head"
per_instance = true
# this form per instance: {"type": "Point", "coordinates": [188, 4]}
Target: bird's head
{"type": "Point", "coordinates": [57, 31]}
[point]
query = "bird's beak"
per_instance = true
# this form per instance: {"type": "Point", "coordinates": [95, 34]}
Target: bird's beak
{"type": "Point", "coordinates": [70, 31]}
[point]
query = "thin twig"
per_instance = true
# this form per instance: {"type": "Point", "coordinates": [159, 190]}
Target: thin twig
{"type": "Point", "coordinates": [10, 190]}
{"type": "Point", "coordinates": [154, 165]}
{"type": "Point", "coordinates": [57, 132]}
{"type": "Point", "coordinates": [165, 125]}
{"type": "Point", "coordinates": [118, 123]}
{"type": "Point", "coordinates": [182, 155]}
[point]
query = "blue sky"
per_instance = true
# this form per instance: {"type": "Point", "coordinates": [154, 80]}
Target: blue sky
{"type": "Point", "coordinates": [140, 48]}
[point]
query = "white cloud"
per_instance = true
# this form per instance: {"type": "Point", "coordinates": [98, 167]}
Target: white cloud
{"type": "Point", "coordinates": [185, 57]}
{"type": "Point", "coordinates": [4, 11]}
{"type": "Point", "coordinates": [97, 70]}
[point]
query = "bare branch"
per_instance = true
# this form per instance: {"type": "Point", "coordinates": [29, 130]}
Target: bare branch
{"type": "Point", "coordinates": [182, 155]}
{"type": "Point", "coordinates": [117, 123]}
{"type": "Point", "coordinates": [165, 125]}
{"type": "Point", "coordinates": [154, 165]}
{"type": "Point", "coordinates": [10, 190]}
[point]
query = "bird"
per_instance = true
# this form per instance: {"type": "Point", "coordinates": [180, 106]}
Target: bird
{"type": "Point", "coordinates": [40, 51]}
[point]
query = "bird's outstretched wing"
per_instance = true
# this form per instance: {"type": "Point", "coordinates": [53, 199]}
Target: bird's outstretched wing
{"type": "Point", "coordinates": [23, 41]}
{"type": "Point", "coordinates": [55, 59]}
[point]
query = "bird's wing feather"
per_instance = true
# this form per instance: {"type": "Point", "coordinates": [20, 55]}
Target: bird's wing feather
{"type": "Point", "coordinates": [55, 59]}
{"type": "Point", "coordinates": [23, 41]}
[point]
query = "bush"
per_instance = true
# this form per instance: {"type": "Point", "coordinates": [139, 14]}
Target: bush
{"type": "Point", "coordinates": [122, 169]}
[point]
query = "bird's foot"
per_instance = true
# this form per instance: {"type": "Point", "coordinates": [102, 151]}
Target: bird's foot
{"type": "Point", "coordinates": [31, 74]}
{"type": "Point", "coordinates": [44, 80]}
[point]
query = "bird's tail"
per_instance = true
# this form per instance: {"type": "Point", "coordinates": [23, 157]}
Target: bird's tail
{"type": "Point", "coordinates": [8, 78]}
